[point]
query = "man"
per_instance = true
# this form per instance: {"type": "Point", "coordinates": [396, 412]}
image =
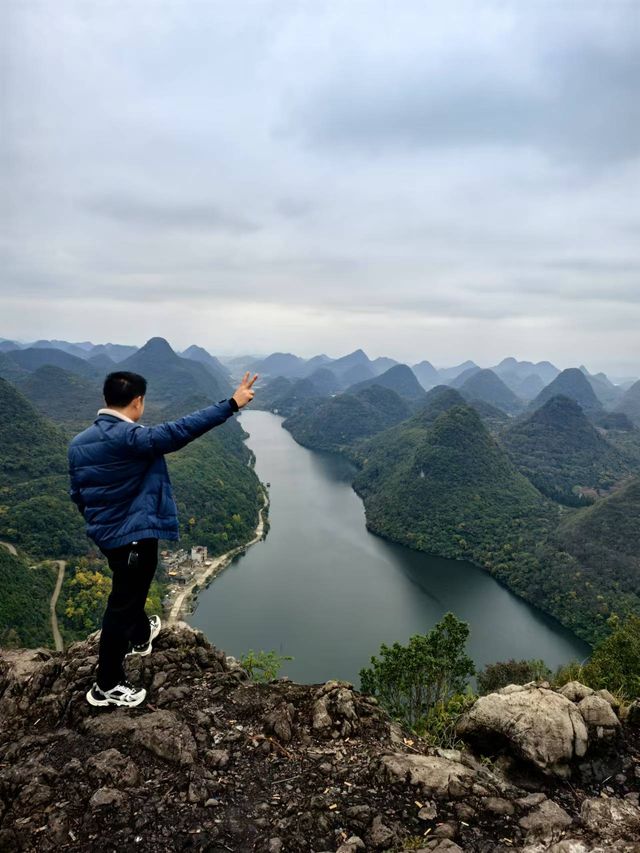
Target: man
{"type": "Point", "coordinates": [120, 483]}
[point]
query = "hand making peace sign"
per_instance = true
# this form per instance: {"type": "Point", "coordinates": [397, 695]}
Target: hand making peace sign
{"type": "Point", "coordinates": [244, 393]}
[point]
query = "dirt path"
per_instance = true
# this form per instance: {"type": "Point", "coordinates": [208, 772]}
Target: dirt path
{"type": "Point", "coordinates": [201, 577]}
{"type": "Point", "coordinates": [57, 636]}
{"type": "Point", "coordinates": [10, 548]}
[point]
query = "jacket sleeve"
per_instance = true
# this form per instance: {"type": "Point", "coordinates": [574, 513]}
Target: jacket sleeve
{"type": "Point", "coordinates": [173, 435]}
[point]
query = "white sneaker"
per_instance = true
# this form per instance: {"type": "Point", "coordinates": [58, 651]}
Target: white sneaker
{"type": "Point", "coordinates": [124, 694]}
{"type": "Point", "coordinates": [145, 648]}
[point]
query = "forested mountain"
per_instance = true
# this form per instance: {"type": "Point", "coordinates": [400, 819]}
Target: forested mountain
{"type": "Point", "coordinates": [285, 396]}
{"type": "Point", "coordinates": [81, 349]}
{"type": "Point", "coordinates": [32, 358]}
{"type": "Point", "coordinates": [10, 370]}
{"type": "Point", "coordinates": [529, 387]}
{"type": "Point", "coordinates": [486, 386]}
{"type": "Point", "coordinates": [608, 393]}
{"type": "Point", "coordinates": [381, 364]}
{"type": "Point", "coordinates": [116, 352]}
{"type": "Point", "coordinates": [459, 380]}
{"type": "Point", "coordinates": [448, 374]}
{"type": "Point", "coordinates": [62, 396]}
{"type": "Point", "coordinates": [24, 603]}
{"type": "Point", "coordinates": [564, 456]}
{"type": "Point", "coordinates": [343, 419]}
{"type": "Point", "coordinates": [510, 369]}
{"type": "Point", "coordinates": [102, 363]}
{"type": "Point", "coordinates": [630, 403]}
{"type": "Point", "coordinates": [37, 513]}
{"type": "Point", "coordinates": [325, 381]}
{"type": "Point", "coordinates": [196, 353]}
{"type": "Point", "coordinates": [570, 383]}
{"type": "Point", "coordinates": [605, 537]}
{"type": "Point", "coordinates": [171, 378]}
{"type": "Point", "coordinates": [399, 378]}
{"type": "Point", "coordinates": [426, 374]}
{"type": "Point", "coordinates": [278, 364]}
{"type": "Point", "coordinates": [447, 488]}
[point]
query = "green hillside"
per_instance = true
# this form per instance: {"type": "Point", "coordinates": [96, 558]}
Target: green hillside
{"type": "Point", "coordinates": [34, 357]}
{"type": "Point", "coordinates": [630, 403]}
{"type": "Point", "coordinates": [447, 488]}
{"type": "Point", "coordinates": [171, 378]}
{"type": "Point", "coordinates": [563, 455]}
{"type": "Point", "coordinates": [24, 603]}
{"type": "Point", "coordinates": [484, 385]}
{"type": "Point", "coordinates": [62, 396]}
{"type": "Point", "coordinates": [35, 510]}
{"type": "Point", "coordinates": [398, 378]}
{"type": "Point", "coordinates": [30, 446]}
{"type": "Point", "coordinates": [570, 383]}
{"type": "Point", "coordinates": [605, 538]}
{"type": "Point", "coordinates": [285, 396]}
{"type": "Point", "coordinates": [343, 419]}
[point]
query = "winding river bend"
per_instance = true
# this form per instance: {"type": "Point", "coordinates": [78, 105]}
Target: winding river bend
{"type": "Point", "coordinates": [323, 589]}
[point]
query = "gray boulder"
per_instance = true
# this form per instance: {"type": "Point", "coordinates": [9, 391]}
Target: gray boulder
{"type": "Point", "coordinates": [537, 724]}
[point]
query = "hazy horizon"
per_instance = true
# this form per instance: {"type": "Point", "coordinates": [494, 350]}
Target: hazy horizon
{"type": "Point", "coordinates": [419, 179]}
{"type": "Point", "coordinates": [258, 355]}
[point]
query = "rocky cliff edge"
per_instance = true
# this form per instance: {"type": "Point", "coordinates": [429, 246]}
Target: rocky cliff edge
{"type": "Point", "coordinates": [216, 762]}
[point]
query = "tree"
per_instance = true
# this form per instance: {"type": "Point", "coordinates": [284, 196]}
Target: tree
{"type": "Point", "coordinates": [409, 681]}
{"type": "Point", "coordinates": [497, 675]}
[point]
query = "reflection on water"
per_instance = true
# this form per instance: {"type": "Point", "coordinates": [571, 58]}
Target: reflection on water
{"type": "Point", "coordinates": [325, 590]}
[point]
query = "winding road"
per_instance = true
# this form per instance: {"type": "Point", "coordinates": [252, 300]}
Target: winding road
{"type": "Point", "coordinates": [57, 636]}
{"type": "Point", "coordinates": [55, 630]}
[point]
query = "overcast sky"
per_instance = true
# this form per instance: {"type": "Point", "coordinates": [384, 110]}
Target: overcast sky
{"type": "Point", "coordinates": [425, 180]}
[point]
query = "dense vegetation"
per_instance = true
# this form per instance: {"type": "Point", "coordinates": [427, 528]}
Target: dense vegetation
{"type": "Point", "coordinates": [630, 403]}
{"type": "Point", "coordinates": [426, 684]}
{"type": "Point", "coordinates": [84, 595]}
{"type": "Point", "coordinates": [574, 384]}
{"type": "Point", "coordinates": [484, 385]}
{"type": "Point", "coordinates": [35, 510]}
{"type": "Point", "coordinates": [563, 455]}
{"type": "Point", "coordinates": [343, 419]}
{"type": "Point", "coordinates": [604, 539]}
{"type": "Point", "coordinates": [171, 378]}
{"type": "Point", "coordinates": [399, 378]}
{"type": "Point", "coordinates": [447, 488]}
{"type": "Point", "coordinates": [24, 603]}
{"type": "Point", "coordinates": [62, 396]}
{"type": "Point", "coordinates": [216, 490]}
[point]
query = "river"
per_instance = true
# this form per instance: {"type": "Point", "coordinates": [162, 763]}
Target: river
{"type": "Point", "coordinates": [323, 589]}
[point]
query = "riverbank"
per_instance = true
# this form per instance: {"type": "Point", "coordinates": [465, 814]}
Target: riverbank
{"type": "Point", "coordinates": [185, 597]}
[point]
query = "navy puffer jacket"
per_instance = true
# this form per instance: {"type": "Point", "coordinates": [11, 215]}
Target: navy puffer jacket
{"type": "Point", "coordinates": [119, 476]}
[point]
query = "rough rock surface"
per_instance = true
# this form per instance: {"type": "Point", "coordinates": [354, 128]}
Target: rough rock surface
{"type": "Point", "coordinates": [215, 762]}
{"type": "Point", "coordinates": [538, 724]}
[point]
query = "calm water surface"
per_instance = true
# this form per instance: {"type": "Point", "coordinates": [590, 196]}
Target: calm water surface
{"type": "Point", "coordinates": [323, 589]}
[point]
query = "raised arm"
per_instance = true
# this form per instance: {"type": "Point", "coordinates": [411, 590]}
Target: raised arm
{"type": "Point", "coordinates": [173, 435]}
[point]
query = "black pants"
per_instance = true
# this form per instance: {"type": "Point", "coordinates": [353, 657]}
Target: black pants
{"type": "Point", "coordinates": [124, 620]}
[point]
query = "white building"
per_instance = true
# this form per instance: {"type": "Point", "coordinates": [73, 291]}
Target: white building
{"type": "Point", "coordinates": [198, 554]}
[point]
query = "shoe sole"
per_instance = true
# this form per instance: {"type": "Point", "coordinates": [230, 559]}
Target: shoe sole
{"type": "Point", "coordinates": [142, 654]}
{"type": "Point", "coordinates": [102, 703]}
{"type": "Point", "coordinates": [148, 650]}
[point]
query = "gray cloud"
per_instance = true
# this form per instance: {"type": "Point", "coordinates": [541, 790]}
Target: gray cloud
{"type": "Point", "coordinates": [425, 180]}
{"type": "Point", "coordinates": [155, 214]}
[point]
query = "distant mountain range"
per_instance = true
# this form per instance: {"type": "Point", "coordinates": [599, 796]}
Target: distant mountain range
{"type": "Point", "coordinates": [488, 464]}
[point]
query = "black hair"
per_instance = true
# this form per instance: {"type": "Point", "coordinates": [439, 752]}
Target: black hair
{"type": "Point", "coordinates": [120, 388]}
